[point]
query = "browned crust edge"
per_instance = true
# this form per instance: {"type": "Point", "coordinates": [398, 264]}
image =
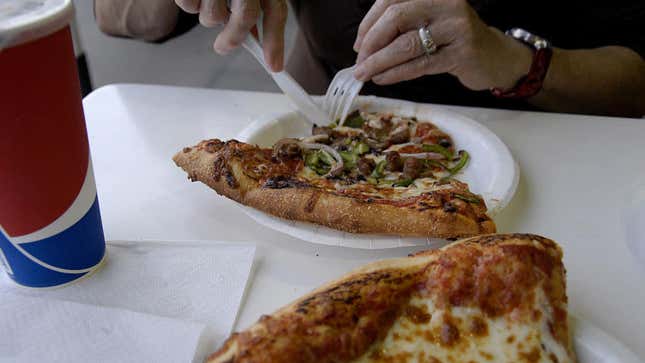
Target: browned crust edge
{"type": "Point", "coordinates": [313, 205]}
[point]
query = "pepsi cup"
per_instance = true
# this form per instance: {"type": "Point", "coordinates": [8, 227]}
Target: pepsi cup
{"type": "Point", "coordinates": [50, 225]}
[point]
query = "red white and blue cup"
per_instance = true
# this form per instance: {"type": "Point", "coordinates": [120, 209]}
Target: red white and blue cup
{"type": "Point", "coordinates": [50, 225]}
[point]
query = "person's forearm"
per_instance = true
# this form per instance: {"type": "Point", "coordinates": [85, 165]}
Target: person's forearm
{"type": "Point", "coordinates": [148, 20]}
{"type": "Point", "coordinates": [608, 81]}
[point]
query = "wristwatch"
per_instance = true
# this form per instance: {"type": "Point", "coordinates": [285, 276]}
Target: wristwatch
{"type": "Point", "coordinates": [531, 83]}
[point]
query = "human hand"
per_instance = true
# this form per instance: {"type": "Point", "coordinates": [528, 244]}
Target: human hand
{"type": "Point", "coordinates": [240, 19]}
{"type": "Point", "coordinates": [481, 57]}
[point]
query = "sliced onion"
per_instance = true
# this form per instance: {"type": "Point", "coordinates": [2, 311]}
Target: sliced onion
{"type": "Point", "coordinates": [375, 123]}
{"type": "Point", "coordinates": [314, 138]}
{"type": "Point", "coordinates": [430, 156]}
{"type": "Point", "coordinates": [349, 130]}
{"type": "Point", "coordinates": [397, 147]}
{"type": "Point", "coordinates": [400, 127]}
{"type": "Point", "coordinates": [338, 167]}
{"type": "Point", "coordinates": [285, 141]}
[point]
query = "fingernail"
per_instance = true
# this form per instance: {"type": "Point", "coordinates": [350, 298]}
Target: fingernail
{"type": "Point", "coordinates": [219, 50]}
{"type": "Point", "coordinates": [359, 73]}
{"type": "Point", "coordinates": [377, 79]}
{"type": "Point", "coordinates": [357, 44]}
{"type": "Point", "coordinates": [276, 66]}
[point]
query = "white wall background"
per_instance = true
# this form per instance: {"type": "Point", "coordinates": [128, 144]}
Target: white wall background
{"type": "Point", "coordinates": [186, 61]}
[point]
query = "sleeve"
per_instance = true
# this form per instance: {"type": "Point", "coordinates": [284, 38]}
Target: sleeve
{"type": "Point", "coordinates": [601, 23]}
{"type": "Point", "coordinates": [150, 20]}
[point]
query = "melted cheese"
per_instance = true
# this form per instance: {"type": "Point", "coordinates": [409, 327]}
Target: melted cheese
{"type": "Point", "coordinates": [465, 334]}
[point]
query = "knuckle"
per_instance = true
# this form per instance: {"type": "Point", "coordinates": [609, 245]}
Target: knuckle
{"type": "Point", "coordinates": [394, 11]}
{"type": "Point", "coordinates": [409, 44]}
{"type": "Point", "coordinates": [383, 3]}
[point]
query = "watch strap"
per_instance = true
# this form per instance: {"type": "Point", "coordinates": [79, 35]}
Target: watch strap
{"type": "Point", "coordinates": [530, 84]}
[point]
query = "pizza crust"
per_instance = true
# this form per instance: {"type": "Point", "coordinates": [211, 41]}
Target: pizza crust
{"type": "Point", "coordinates": [310, 204]}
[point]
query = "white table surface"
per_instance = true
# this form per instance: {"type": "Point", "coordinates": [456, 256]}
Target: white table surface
{"type": "Point", "coordinates": [579, 175]}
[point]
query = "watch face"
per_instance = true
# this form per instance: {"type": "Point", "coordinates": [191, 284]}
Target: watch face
{"type": "Point", "coordinates": [528, 38]}
{"type": "Point", "coordinates": [541, 43]}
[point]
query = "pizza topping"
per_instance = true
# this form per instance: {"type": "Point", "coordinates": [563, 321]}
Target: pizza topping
{"type": "Point", "coordinates": [325, 160]}
{"type": "Point", "coordinates": [438, 149]}
{"type": "Point", "coordinates": [461, 163]}
{"type": "Point", "coordinates": [379, 169]}
{"type": "Point", "coordinates": [393, 161]}
{"type": "Point", "coordinates": [371, 156]}
{"type": "Point", "coordinates": [412, 168]}
{"type": "Point", "coordinates": [449, 333]}
{"type": "Point", "coordinates": [449, 207]}
{"type": "Point", "coordinates": [466, 198]}
{"type": "Point", "coordinates": [282, 181]}
{"type": "Point", "coordinates": [429, 156]}
{"type": "Point", "coordinates": [403, 183]}
{"type": "Point", "coordinates": [287, 149]}
{"type": "Point", "coordinates": [230, 179]}
{"type": "Point", "coordinates": [320, 138]}
{"type": "Point", "coordinates": [321, 130]}
{"type": "Point", "coordinates": [400, 134]}
{"type": "Point", "coordinates": [319, 161]}
{"type": "Point", "coordinates": [328, 155]}
{"type": "Point", "coordinates": [366, 166]}
{"type": "Point", "coordinates": [221, 169]}
{"type": "Point", "coordinates": [417, 314]}
{"type": "Point", "coordinates": [445, 143]}
{"type": "Point", "coordinates": [353, 120]}
{"type": "Point", "coordinates": [376, 144]}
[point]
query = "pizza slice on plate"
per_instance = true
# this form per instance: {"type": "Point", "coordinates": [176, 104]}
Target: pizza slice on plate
{"type": "Point", "coordinates": [373, 174]}
{"type": "Point", "coordinates": [493, 298]}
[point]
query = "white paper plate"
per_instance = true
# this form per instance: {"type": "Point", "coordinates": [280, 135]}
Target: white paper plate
{"type": "Point", "coordinates": [593, 345]}
{"type": "Point", "coordinates": [492, 171]}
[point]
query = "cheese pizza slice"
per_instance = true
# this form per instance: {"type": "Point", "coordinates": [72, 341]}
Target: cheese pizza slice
{"type": "Point", "coordinates": [492, 298]}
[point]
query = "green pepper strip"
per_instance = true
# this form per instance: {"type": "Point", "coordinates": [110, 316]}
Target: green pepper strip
{"type": "Point", "coordinates": [436, 163]}
{"type": "Point", "coordinates": [361, 148]}
{"type": "Point", "coordinates": [403, 183]}
{"type": "Point", "coordinates": [378, 170]}
{"type": "Point", "coordinates": [437, 149]}
{"type": "Point", "coordinates": [460, 165]}
{"type": "Point", "coordinates": [354, 121]}
{"type": "Point", "coordinates": [466, 198]}
{"type": "Point", "coordinates": [326, 158]}
{"type": "Point", "coordinates": [462, 162]}
{"type": "Point", "coordinates": [313, 160]}
{"type": "Point", "coordinates": [349, 158]}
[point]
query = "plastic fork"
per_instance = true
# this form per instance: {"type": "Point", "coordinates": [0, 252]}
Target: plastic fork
{"type": "Point", "coordinates": [289, 86]}
{"type": "Point", "coordinates": [341, 94]}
